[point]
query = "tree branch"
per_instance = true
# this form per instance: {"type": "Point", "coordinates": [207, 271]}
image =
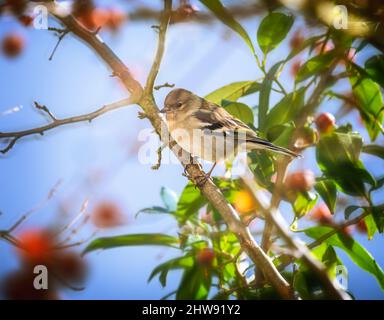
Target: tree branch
{"type": "Point", "coordinates": [209, 189]}
{"type": "Point", "coordinates": [16, 135]}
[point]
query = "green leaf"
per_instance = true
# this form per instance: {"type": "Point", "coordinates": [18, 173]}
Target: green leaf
{"type": "Point", "coordinates": [303, 203]}
{"type": "Point", "coordinates": [369, 103]}
{"type": "Point", "coordinates": [374, 150]}
{"type": "Point", "coordinates": [315, 66]}
{"type": "Point", "coordinates": [286, 109]}
{"type": "Point", "coordinates": [169, 198]}
{"type": "Point", "coordinates": [349, 210]}
{"type": "Point", "coordinates": [307, 43]}
{"type": "Point", "coordinates": [374, 67]}
{"type": "Point", "coordinates": [328, 192]}
{"type": "Point", "coordinates": [378, 216]}
{"type": "Point", "coordinates": [352, 248]}
{"type": "Point", "coordinates": [371, 226]}
{"type": "Point", "coordinates": [195, 284]}
{"type": "Point", "coordinates": [327, 255]}
{"type": "Point", "coordinates": [225, 17]}
{"type": "Point", "coordinates": [281, 135]}
{"type": "Point", "coordinates": [233, 91]}
{"type": "Point", "coordinates": [265, 93]}
{"type": "Point", "coordinates": [151, 210]}
{"type": "Point", "coordinates": [272, 30]}
{"type": "Point", "coordinates": [164, 268]}
{"type": "Point", "coordinates": [262, 166]}
{"type": "Point", "coordinates": [143, 239]}
{"type": "Point", "coordinates": [189, 203]}
{"type": "Point", "coordinates": [240, 111]}
{"type": "Point", "coordinates": [338, 157]}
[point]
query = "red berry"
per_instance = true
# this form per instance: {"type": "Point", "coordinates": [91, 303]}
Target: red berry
{"type": "Point", "coordinates": [361, 226]}
{"type": "Point", "coordinates": [25, 20]}
{"type": "Point", "coordinates": [36, 245]}
{"type": "Point", "coordinates": [115, 19]}
{"type": "Point", "coordinates": [325, 122]}
{"type": "Point", "coordinates": [297, 40]}
{"type": "Point", "coordinates": [295, 67]}
{"type": "Point", "coordinates": [19, 286]}
{"type": "Point", "coordinates": [321, 214]}
{"type": "Point", "coordinates": [13, 45]}
{"type": "Point", "coordinates": [300, 180]}
{"type": "Point", "coordinates": [205, 257]}
{"type": "Point", "coordinates": [107, 215]}
{"type": "Point", "coordinates": [69, 266]}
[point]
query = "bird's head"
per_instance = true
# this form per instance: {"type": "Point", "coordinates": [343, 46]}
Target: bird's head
{"type": "Point", "coordinates": [178, 99]}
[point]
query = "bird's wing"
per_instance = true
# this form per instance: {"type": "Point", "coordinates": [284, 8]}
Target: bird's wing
{"type": "Point", "coordinates": [219, 121]}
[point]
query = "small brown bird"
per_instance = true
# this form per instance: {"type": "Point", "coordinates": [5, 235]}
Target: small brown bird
{"type": "Point", "coordinates": [208, 131]}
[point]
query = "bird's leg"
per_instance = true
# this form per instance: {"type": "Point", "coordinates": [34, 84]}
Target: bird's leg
{"type": "Point", "coordinates": [202, 179]}
{"type": "Point", "coordinates": [192, 161]}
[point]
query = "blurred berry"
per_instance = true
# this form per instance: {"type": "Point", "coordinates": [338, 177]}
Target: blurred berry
{"type": "Point", "coordinates": [19, 286]}
{"type": "Point", "coordinates": [300, 180]}
{"type": "Point", "coordinates": [244, 201]}
{"type": "Point", "coordinates": [107, 215]}
{"type": "Point", "coordinates": [12, 45]}
{"type": "Point", "coordinates": [321, 214]}
{"type": "Point", "coordinates": [361, 226]}
{"type": "Point", "coordinates": [205, 257]}
{"type": "Point", "coordinates": [325, 122]}
{"type": "Point", "coordinates": [36, 246]}
{"type": "Point", "coordinates": [297, 40]}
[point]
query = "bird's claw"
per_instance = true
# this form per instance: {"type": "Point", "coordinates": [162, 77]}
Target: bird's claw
{"type": "Point", "coordinates": [201, 180]}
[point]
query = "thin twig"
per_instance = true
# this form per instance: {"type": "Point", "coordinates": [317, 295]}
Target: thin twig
{"type": "Point", "coordinates": [16, 135]}
{"type": "Point", "coordinates": [164, 21]}
{"type": "Point", "coordinates": [165, 85]}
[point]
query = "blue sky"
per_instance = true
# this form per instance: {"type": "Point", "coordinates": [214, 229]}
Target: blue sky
{"type": "Point", "coordinates": [199, 58]}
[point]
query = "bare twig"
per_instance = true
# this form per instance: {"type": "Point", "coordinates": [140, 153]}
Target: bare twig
{"type": "Point", "coordinates": [164, 21]}
{"type": "Point", "coordinates": [159, 157]}
{"type": "Point", "coordinates": [61, 35]}
{"type": "Point", "coordinates": [165, 85]}
{"type": "Point", "coordinates": [16, 135]}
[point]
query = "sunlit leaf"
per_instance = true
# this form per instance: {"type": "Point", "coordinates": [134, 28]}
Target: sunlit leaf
{"type": "Point", "coordinates": [190, 202]}
{"type": "Point", "coordinates": [265, 93]}
{"type": "Point", "coordinates": [153, 210]}
{"type": "Point", "coordinates": [303, 203]}
{"type": "Point", "coordinates": [233, 91]}
{"type": "Point", "coordinates": [374, 150]}
{"type": "Point", "coordinates": [262, 166]}
{"type": "Point", "coordinates": [374, 67]}
{"type": "Point", "coordinates": [173, 264]}
{"type": "Point", "coordinates": [169, 198]}
{"type": "Point", "coordinates": [240, 111]}
{"type": "Point", "coordinates": [355, 251]}
{"type": "Point", "coordinates": [195, 284]}
{"type": "Point", "coordinates": [369, 103]}
{"type": "Point", "coordinates": [315, 66]}
{"type": "Point", "coordinates": [286, 109]}
{"type": "Point", "coordinates": [328, 192]}
{"type": "Point", "coordinates": [226, 17]}
{"type": "Point", "coordinates": [143, 239]}
{"type": "Point", "coordinates": [338, 157]}
{"type": "Point", "coordinates": [272, 30]}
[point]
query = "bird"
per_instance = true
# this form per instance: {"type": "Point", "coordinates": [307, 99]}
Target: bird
{"type": "Point", "coordinates": [207, 131]}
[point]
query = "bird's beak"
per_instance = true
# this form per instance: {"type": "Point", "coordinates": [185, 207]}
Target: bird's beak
{"type": "Point", "coordinates": [165, 110]}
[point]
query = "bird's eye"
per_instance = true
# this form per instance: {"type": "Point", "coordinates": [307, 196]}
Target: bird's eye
{"type": "Point", "coordinates": [178, 104]}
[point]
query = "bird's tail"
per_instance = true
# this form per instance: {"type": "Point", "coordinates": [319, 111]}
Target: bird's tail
{"type": "Point", "coordinates": [259, 144]}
